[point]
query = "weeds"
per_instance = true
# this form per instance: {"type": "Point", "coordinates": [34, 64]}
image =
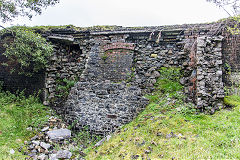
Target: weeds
{"type": "Point", "coordinates": [63, 87]}
{"type": "Point", "coordinates": [17, 113]}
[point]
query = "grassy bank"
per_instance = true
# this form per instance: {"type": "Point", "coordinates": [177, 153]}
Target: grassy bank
{"type": "Point", "coordinates": [17, 113]}
{"type": "Point", "coordinates": [170, 129]}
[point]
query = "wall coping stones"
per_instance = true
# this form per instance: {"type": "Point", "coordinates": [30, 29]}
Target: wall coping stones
{"type": "Point", "coordinates": [131, 30]}
{"type": "Point", "coordinates": [67, 39]}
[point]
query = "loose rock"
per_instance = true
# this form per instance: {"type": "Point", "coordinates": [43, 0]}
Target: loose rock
{"type": "Point", "coordinates": [45, 145]}
{"type": "Point", "coordinates": [65, 154]}
{"type": "Point", "coordinates": [59, 134]}
{"type": "Point", "coordinates": [12, 151]}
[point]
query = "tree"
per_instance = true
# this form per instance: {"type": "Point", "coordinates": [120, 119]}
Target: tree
{"type": "Point", "coordinates": [225, 4]}
{"type": "Point", "coordinates": [11, 9]}
{"type": "Point", "coordinates": [28, 50]}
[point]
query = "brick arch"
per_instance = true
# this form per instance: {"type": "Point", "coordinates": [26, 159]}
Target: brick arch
{"type": "Point", "coordinates": [118, 45]}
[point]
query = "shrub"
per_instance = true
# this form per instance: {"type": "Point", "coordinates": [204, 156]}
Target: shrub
{"type": "Point", "coordinates": [29, 51]}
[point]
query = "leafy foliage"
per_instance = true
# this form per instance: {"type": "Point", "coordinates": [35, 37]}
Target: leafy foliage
{"type": "Point", "coordinates": [10, 9]}
{"type": "Point", "coordinates": [63, 87]}
{"type": "Point", "coordinates": [29, 50]}
{"type": "Point", "coordinates": [233, 26]}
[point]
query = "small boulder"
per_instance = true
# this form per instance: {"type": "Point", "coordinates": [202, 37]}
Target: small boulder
{"type": "Point", "coordinates": [45, 129]}
{"type": "Point", "coordinates": [12, 151]}
{"type": "Point", "coordinates": [147, 151]}
{"type": "Point", "coordinates": [45, 145]}
{"type": "Point", "coordinates": [135, 156]}
{"type": "Point", "coordinates": [53, 157]}
{"type": "Point", "coordinates": [36, 143]}
{"type": "Point", "coordinates": [59, 134]}
{"type": "Point", "coordinates": [64, 154]}
{"type": "Point", "coordinates": [107, 138]}
{"type": "Point", "coordinates": [29, 129]}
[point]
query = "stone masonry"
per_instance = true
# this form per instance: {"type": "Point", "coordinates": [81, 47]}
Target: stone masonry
{"type": "Point", "coordinates": [116, 68]}
{"type": "Point", "coordinates": [210, 90]}
{"type": "Point", "coordinates": [101, 99]}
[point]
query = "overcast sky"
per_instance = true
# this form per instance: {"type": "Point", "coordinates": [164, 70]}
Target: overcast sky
{"type": "Point", "coordinates": [84, 13]}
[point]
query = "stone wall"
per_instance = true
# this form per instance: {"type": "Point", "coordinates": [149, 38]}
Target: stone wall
{"type": "Point", "coordinates": [151, 56]}
{"type": "Point", "coordinates": [101, 99]}
{"type": "Point", "coordinates": [67, 62]}
{"type": "Point", "coordinates": [115, 69]}
{"type": "Point", "coordinates": [210, 89]}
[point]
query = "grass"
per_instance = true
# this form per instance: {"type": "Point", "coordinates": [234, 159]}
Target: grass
{"type": "Point", "coordinates": [16, 114]}
{"type": "Point", "coordinates": [170, 129]}
{"type": "Point", "coordinates": [48, 28]}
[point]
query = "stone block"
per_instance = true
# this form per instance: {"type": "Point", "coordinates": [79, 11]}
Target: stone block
{"type": "Point", "coordinates": [59, 134]}
{"type": "Point", "coordinates": [63, 154]}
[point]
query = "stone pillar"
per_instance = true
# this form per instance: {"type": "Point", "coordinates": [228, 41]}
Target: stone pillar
{"type": "Point", "coordinates": [210, 91]}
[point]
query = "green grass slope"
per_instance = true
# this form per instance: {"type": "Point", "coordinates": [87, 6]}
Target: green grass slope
{"type": "Point", "coordinates": [169, 129]}
{"type": "Point", "coordinates": [17, 113]}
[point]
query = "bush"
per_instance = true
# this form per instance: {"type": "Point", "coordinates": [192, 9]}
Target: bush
{"type": "Point", "coordinates": [29, 51]}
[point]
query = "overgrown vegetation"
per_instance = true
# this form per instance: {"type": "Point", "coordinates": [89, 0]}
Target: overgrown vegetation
{"type": "Point", "coordinates": [105, 56]}
{"type": "Point", "coordinates": [29, 51]}
{"type": "Point", "coordinates": [232, 101]}
{"type": "Point", "coordinates": [233, 25]}
{"type": "Point", "coordinates": [170, 129]}
{"type": "Point", "coordinates": [17, 113]}
{"type": "Point", "coordinates": [20, 119]}
{"type": "Point", "coordinates": [43, 29]}
{"type": "Point", "coordinates": [63, 87]}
